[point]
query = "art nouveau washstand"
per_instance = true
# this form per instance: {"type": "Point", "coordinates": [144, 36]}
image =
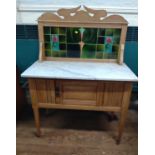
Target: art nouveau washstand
{"type": "Point", "coordinates": [80, 64]}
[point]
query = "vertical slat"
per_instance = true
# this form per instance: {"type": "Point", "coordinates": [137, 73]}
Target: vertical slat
{"type": "Point", "coordinates": [58, 92]}
{"type": "Point", "coordinates": [50, 91]}
{"type": "Point", "coordinates": [99, 93]}
{"type": "Point", "coordinates": [122, 44]}
{"type": "Point", "coordinates": [41, 90]}
{"type": "Point", "coordinates": [61, 91]}
{"type": "Point", "coordinates": [113, 93]}
{"type": "Point", "coordinates": [124, 108]}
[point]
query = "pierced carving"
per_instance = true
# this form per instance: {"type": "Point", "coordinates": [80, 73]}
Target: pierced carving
{"type": "Point", "coordinates": [85, 15]}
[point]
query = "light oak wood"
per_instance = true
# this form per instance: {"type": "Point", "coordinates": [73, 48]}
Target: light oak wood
{"type": "Point", "coordinates": [37, 120]}
{"type": "Point", "coordinates": [113, 93]}
{"type": "Point", "coordinates": [41, 90]}
{"type": "Point", "coordinates": [34, 100]}
{"type": "Point", "coordinates": [33, 91]}
{"type": "Point", "coordinates": [77, 92]}
{"type": "Point", "coordinates": [87, 15]}
{"type": "Point", "coordinates": [41, 41]}
{"type": "Point", "coordinates": [99, 98]}
{"type": "Point", "coordinates": [50, 87]}
{"type": "Point", "coordinates": [122, 44]}
{"type": "Point", "coordinates": [78, 107]}
{"type": "Point", "coordinates": [79, 59]}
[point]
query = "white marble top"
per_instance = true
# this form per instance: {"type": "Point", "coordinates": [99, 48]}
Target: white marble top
{"type": "Point", "coordinates": [79, 70]}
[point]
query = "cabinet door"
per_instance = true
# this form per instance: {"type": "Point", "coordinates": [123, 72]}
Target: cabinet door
{"type": "Point", "coordinates": [113, 94]}
{"type": "Point", "coordinates": [79, 92]}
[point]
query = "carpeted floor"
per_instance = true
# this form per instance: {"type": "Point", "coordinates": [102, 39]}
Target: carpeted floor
{"type": "Point", "coordinates": [69, 132]}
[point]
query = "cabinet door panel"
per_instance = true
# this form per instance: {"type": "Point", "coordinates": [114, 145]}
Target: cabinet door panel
{"type": "Point", "coordinates": [79, 92]}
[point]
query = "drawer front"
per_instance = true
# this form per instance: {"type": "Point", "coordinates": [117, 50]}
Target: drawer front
{"type": "Point", "coordinates": [79, 92]}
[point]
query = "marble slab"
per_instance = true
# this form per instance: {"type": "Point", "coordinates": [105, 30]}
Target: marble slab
{"type": "Point", "coordinates": [80, 71]}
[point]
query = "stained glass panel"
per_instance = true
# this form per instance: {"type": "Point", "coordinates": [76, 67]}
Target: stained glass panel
{"type": "Point", "coordinates": [86, 43]}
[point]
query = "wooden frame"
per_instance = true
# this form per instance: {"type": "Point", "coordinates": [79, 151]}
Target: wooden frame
{"type": "Point", "coordinates": [82, 18]}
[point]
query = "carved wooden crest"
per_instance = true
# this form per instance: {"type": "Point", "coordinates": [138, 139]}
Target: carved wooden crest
{"type": "Point", "coordinates": [87, 15]}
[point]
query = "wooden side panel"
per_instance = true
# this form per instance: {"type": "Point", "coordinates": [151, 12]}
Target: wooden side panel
{"type": "Point", "coordinates": [79, 92]}
{"type": "Point", "coordinates": [33, 92]}
{"type": "Point", "coordinates": [113, 94]}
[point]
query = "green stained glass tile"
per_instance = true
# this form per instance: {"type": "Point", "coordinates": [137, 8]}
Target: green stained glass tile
{"type": "Point", "coordinates": [62, 46]}
{"type": "Point", "coordinates": [48, 46]}
{"type": "Point", "coordinates": [73, 50]}
{"type": "Point", "coordinates": [62, 38]}
{"type": "Point", "coordinates": [48, 53]}
{"type": "Point", "coordinates": [90, 35]}
{"type": "Point", "coordinates": [101, 32]}
{"type": "Point", "coordinates": [88, 51]}
{"type": "Point", "coordinates": [63, 53]}
{"type": "Point", "coordinates": [116, 40]}
{"type": "Point", "coordinates": [110, 55]}
{"type": "Point", "coordinates": [108, 44]}
{"type": "Point", "coordinates": [62, 30]}
{"type": "Point", "coordinates": [105, 55]}
{"type": "Point", "coordinates": [55, 42]}
{"type": "Point", "coordinates": [73, 35]}
{"type": "Point", "coordinates": [108, 32]}
{"type": "Point", "coordinates": [47, 30]}
{"type": "Point", "coordinates": [99, 55]}
{"type": "Point", "coordinates": [115, 48]}
{"type": "Point", "coordinates": [100, 40]}
{"type": "Point", "coordinates": [117, 32]}
{"type": "Point", "coordinates": [55, 54]}
{"type": "Point", "coordinates": [100, 47]}
{"type": "Point", "coordinates": [47, 38]}
{"type": "Point", "coordinates": [54, 30]}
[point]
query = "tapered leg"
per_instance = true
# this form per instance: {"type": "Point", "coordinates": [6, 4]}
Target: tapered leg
{"type": "Point", "coordinates": [121, 126]}
{"type": "Point", "coordinates": [124, 110]}
{"type": "Point", "coordinates": [37, 120]}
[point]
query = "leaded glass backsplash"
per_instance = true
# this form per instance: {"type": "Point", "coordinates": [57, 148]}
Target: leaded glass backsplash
{"type": "Point", "coordinates": [90, 43]}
